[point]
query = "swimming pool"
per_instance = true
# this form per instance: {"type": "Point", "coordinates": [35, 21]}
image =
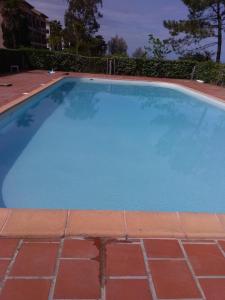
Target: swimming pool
{"type": "Point", "coordinates": [100, 144]}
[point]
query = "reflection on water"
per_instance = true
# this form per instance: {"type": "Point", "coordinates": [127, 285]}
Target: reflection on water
{"type": "Point", "coordinates": [123, 132]}
{"type": "Point", "coordinates": [25, 120]}
{"type": "Point", "coordinates": [82, 104]}
{"type": "Point", "coordinates": [18, 128]}
{"type": "Point", "coordinates": [189, 127]}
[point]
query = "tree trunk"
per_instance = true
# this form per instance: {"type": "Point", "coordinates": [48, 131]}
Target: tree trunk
{"type": "Point", "coordinates": [219, 34]}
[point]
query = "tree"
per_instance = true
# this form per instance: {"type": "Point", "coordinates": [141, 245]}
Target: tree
{"type": "Point", "coordinates": [117, 46]}
{"type": "Point", "coordinates": [56, 35]}
{"type": "Point", "coordinates": [93, 46]}
{"type": "Point", "coordinates": [197, 56]}
{"type": "Point", "coordinates": [98, 46]}
{"type": "Point", "coordinates": [139, 53]}
{"type": "Point", "coordinates": [81, 21]}
{"type": "Point", "coordinates": [14, 25]}
{"type": "Point", "coordinates": [202, 29]}
{"type": "Point", "coordinates": [157, 49]}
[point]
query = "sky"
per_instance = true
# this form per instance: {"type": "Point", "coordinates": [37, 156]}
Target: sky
{"type": "Point", "coordinates": [134, 20]}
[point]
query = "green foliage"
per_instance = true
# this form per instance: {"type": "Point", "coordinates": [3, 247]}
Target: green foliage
{"type": "Point", "coordinates": [202, 29]}
{"type": "Point", "coordinates": [95, 46]}
{"type": "Point", "coordinates": [43, 59]}
{"type": "Point", "coordinates": [117, 46]}
{"type": "Point", "coordinates": [14, 25]}
{"type": "Point", "coordinates": [197, 56]}
{"type": "Point", "coordinates": [139, 53]}
{"type": "Point", "coordinates": [211, 72]}
{"type": "Point", "coordinates": [56, 35]}
{"type": "Point", "coordinates": [81, 22]}
{"type": "Point", "coordinates": [126, 66]}
{"type": "Point", "coordinates": [168, 69]}
{"type": "Point", "coordinates": [46, 60]}
{"type": "Point", "coordinates": [157, 49]}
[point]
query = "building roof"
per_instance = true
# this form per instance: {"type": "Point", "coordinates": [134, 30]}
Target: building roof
{"type": "Point", "coordinates": [34, 10]}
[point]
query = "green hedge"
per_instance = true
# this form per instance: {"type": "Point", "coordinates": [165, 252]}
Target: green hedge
{"type": "Point", "coordinates": [154, 68]}
{"type": "Point", "coordinates": [211, 72]}
{"type": "Point", "coordinates": [44, 59]}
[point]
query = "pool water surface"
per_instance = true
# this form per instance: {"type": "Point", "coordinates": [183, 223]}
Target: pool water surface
{"type": "Point", "coordinates": [100, 144]}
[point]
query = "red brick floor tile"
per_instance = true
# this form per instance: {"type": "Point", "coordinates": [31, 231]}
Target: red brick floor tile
{"type": "Point", "coordinates": [3, 267]}
{"type": "Point", "coordinates": [19, 289]}
{"type": "Point", "coordinates": [205, 259]}
{"type": "Point", "coordinates": [78, 279]}
{"type": "Point", "coordinates": [35, 259]}
{"type": "Point", "coordinates": [80, 249]}
{"type": "Point", "coordinates": [124, 260]}
{"type": "Point", "coordinates": [190, 241]}
{"type": "Point", "coordinates": [130, 289]}
{"type": "Point", "coordinates": [8, 247]}
{"type": "Point", "coordinates": [163, 249]}
{"type": "Point", "coordinates": [44, 240]}
{"type": "Point", "coordinates": [214, 289]}
{"type": "Point", "coordinates": [173, 279]}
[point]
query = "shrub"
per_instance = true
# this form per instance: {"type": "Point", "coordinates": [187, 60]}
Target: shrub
{"type": "Point", "coordinates": [211, 72]}
{"type": "Point", "coordinates": [168, 69]}
{"type": "Point", "coordinates": [67, 61]}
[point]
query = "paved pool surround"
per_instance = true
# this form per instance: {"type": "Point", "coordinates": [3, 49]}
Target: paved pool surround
{"type": "Point", "coordinates": [112, 269]}
{"type": "Point", "coordinates": [124, 224]}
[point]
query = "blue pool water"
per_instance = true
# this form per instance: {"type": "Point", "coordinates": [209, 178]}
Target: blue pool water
{"type": "Point", "coordinates": [85, 144]}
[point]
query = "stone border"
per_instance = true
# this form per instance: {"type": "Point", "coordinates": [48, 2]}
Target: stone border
{"type": "Point", "coordinates": [64, 223]}
{"type": "Point", "coordinates": [30, 223]}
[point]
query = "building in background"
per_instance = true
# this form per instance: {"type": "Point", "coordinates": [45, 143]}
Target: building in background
{"type": "Point", "coordinates": [1, 20]}
{"type": "Point", "coordinates": [36, 22]}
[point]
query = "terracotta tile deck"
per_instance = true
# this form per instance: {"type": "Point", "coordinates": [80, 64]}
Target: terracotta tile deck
{"type": "Point", "coordinates": [26, 82]}
{"type": "Point", "coordinates": [111, 269]}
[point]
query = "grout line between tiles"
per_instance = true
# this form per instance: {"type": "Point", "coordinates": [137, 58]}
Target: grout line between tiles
{"type": "Point", "coordinates": [192, 270]}
{"type": "Point", "coordinates": [125, 224]}
{"type": "Point", "coordinates": [52, 288]}
{"type": "Point", "coordinates": [180, 299]}
{"type": "Point", "coordinates": [66, 223]}
{"type": "Point", "coordinates": [181, 224]}
{"type": "Point", "coordinates": [31, 277]}
{"type": "Point", "coordinates": [40, 242]}
{"type": "Point", "coordinates": [211, 277]}
{"type": "Point", "coordinates": [10, 266]}
{"type": "Point", "coordinates": [86, 299]}
{"type": "Point", "coordinates": [5, 222]}
{"type": "Point", "coordinates": [166, 258]}
{"type": "Point", "coordinates": [76, 258]}
{"type": "Point", "coordinates": [127, 277]}
{"type": "Point", "coordinates": [221, 249]}
{"type": "Point", "coordinates": [148, 271]}
{"type": "Point", "coordinates": [198, 243]}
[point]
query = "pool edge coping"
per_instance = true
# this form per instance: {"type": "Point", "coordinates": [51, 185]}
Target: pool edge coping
{"type": "Point", "coordinates": [38, 223]}
{"type": "Point", "coordinates": [19, 100]}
